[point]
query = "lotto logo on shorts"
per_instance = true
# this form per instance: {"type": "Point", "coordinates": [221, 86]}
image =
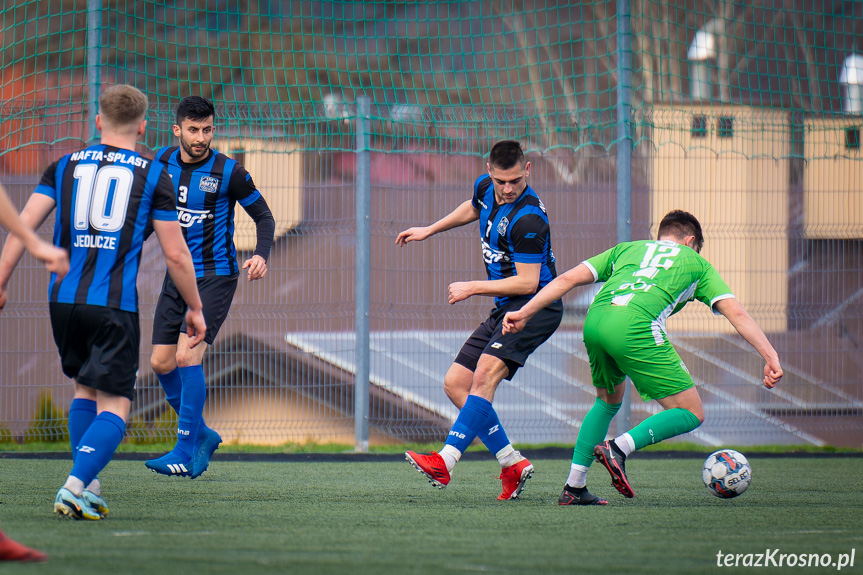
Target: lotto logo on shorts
{"type": "Point", "coordinates": [496, 345]}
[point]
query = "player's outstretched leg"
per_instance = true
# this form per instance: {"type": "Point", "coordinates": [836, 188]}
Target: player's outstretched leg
{"type": "Point", "coordinates": [579, 496]}
{"type": "Point", "coordinates": [612, 458]}
{"type": "Point", "coordinates": [11, 550]}
{"type": "Point", "coordinates": [437, 466]}
{"type": "Point", "coordinates": [658, 427]}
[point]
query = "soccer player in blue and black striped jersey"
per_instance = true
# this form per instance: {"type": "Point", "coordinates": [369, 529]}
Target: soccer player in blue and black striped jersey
{"type": "Point", "coordinates": [208, 185]}
{"type": "Point", "coordinates": [516, 247]}
{"type": "Point", "coordinates": [105, 195]}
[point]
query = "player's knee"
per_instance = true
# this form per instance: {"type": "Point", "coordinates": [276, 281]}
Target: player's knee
{"type": "Point", "coordinates": [187, 358]}
{"type": "Point", "coordinates": [696, 415]}
{"type": "Point", "coordinates": [485, 380]}
{"type": "Point", "coordinates": [161, 365]}
{"type": "Point", "coordinates": [449, 389]}
{"type": "Point", "coordinates": [455, 390]}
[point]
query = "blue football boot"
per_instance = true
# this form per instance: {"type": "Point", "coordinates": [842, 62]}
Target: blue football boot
{"type": "Point", "coordinates": [171, 463]}
{"type": "Point", "coordinates": [208, 442]}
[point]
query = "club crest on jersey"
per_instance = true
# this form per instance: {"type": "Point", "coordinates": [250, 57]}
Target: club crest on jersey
{"type": "Point", "coordinates": [501, 227]}
{"type": "Point", "coordinates": [209, 184]}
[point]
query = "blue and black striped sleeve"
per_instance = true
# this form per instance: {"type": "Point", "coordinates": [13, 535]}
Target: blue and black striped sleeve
{"type": "Point", "coordinates": [529, 236]}
{"type": "Point", "coordinates": [478, 190]}
{"type": "Point", "coordinates": [164, 198]}
{"type": "Point", "coordinates": [242, 189]}
{"type": "Point", "coordinates": [47, 185]}
{"type": "Point", "coordinates": [164, 202]}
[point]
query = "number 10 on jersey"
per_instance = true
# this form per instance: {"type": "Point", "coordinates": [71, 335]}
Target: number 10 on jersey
{"type": "Point", "coordinates": [102, 197]}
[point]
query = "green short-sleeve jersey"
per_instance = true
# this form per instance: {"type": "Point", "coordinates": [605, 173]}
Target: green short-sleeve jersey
{"type": "Point", "coordinates": [656, 278]}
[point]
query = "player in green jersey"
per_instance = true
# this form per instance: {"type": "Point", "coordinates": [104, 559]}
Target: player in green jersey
{"type": "Point", "coordinates": [624, 333]}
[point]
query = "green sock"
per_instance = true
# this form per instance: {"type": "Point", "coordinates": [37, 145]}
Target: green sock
{"type": "Point", "coordinates": [594, 428]}
{"type": "Point", "coordinates": [662, 425]}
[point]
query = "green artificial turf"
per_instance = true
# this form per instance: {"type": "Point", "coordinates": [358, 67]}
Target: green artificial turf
{"type": "Point", "coordinates": [394, 448]}
{"type": "Point", "coordinates": [383, 517]}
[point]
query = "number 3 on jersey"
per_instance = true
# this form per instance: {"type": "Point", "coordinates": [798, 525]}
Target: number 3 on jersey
{"type": "Point", "coordinates": [102, 197]}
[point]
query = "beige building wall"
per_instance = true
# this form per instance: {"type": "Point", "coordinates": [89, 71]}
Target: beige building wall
{"type": "Point", "coordinates": [277, 175]}
{"type": "Point", "coordinates": [735, 181]}
{"type": "Point", "coordinates": [833, 186]}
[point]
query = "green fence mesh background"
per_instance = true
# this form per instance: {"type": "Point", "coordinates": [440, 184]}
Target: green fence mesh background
{"type": "Point", "coordinates": [737, 112]}
{"type": "Point", "coordinates": [295, 69]}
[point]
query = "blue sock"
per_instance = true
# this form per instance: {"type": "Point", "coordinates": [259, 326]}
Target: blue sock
{"type": "Point", "coordinates": [191, 409]}
{"type": "Point", "coordinates": [469, 423]}
{"type": "Point", "coordinates": [492, 434]}
{"type": "Point", "coordinates": [82, 412]}
{"type": "Point", "coordinates": [173, 386]}
{"type": "Point", "coordinates": [98, 445]}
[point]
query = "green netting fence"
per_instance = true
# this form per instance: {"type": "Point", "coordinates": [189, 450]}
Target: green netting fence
{"type": "Point", "coordinates": [747, 114]}
{"type": "Point", "coordinates": [437, 69]}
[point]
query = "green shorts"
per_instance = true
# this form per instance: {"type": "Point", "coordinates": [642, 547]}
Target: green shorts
{"type": "Point", "coordinates": [622, 342]}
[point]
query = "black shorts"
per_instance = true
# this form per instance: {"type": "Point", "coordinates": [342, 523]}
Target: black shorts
{"type": "Point", "coordinates": [513, 348]}
{"type": "Point", "coordinates": [98, 346]}
{"type": "Point", "coordinates": [169, 320]}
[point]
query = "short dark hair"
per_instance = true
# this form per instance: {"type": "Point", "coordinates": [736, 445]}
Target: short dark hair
{"type": "Point", "coordinates": [194, 108]}
{"type": "Point", "coordinates": [680, 224]}
{"type": "Point", "coordinates": [506, 154]}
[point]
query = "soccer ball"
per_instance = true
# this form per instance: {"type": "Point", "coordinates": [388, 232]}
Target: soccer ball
{"type": "Point", "coordinates": [726, 473]}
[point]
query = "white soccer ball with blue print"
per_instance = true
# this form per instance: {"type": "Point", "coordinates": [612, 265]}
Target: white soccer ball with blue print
{"type": "Point", "coordinates": [726, 473]}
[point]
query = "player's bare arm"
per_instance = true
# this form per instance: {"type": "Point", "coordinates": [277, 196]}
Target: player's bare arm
{"type": "Point", "coordinates": [464, 214]}
{"type": "Point", "coordinates": [524, 282]}
{"type": "Point", "coordinates": [56, 260]}
{"type": "Point", "coordinates": [752, 333]}
{"type": "Point", "coordinates": [514, 321]}
{"type": "Point", "coordinates": [34, 213]}
{"type": "Point", "coordinates": [182, 271]}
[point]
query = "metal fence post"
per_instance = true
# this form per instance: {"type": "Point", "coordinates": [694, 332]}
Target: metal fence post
{"type": "Point", "coordinates": [363, 274]}
{"type": "Point", "coordinates": [624, 155]}
{"type": "Point", "coordinates": [94, 28]}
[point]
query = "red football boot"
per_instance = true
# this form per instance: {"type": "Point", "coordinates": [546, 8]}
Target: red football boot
{"type": "Point", "coordinates": [431, 465]}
